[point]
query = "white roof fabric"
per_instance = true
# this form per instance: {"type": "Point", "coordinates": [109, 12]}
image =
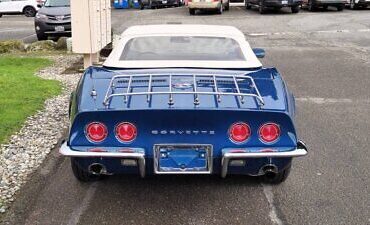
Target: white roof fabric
{"type": "Point", "coordinates": [183, 30]}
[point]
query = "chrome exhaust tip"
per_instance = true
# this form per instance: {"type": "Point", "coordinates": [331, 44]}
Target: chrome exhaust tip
{"type": "Point", "coordinates": [97, 169]}
{"type": "Point", "coordinates": [269, 170]}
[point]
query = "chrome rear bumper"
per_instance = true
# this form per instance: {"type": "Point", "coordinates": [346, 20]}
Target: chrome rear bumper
{"type": "Point", "coordinates": [139, 156]}
{"type": "Point", "coordinates": [301, 150]}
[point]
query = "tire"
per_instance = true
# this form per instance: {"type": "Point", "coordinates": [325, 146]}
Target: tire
{"type": "Point", "coordinates": [262, 8]}
{"type": "Point", "coordinates": [295, 9]}
{"type": "Point", "coordinates": [311, 6]}
{"type": "Point", "coordinates": [81, 174]}
{"type": "Point", "coordinates": [248, 6]}
{"type": "Point", "coordinates": [279, 177]}
{"type": "Point", "coordinates": [325, 7]}
{"type": "Point", "coordinates": [227, 7]}
{"type": "Point", "coordinates": [1, 15]}
{"type": "Point", "coordinates": [29, 11]}
{"type": "Point", "coordinates": [41, 36]}
{"type": "Point", "coordinates": [340, 8]}
{"type": "Point", "coordinates": [192, 11]}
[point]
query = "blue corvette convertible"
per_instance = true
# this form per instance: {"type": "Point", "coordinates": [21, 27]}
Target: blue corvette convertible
{"type": "Point", "coordinates": [182, 99]}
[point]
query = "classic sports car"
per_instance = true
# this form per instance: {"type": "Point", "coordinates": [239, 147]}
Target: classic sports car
{"type": "Point", "coordinates": [182, 99]}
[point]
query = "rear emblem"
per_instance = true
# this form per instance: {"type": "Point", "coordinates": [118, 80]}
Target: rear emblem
{"type": "Point", "coordinates": [182, 83]}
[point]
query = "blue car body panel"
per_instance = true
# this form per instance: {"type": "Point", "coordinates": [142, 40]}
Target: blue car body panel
{"type": "Point", "coordinates": [183, 122]}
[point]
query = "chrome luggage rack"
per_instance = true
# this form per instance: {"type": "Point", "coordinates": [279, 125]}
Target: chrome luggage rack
{"type": "Point", "coordinates": [240, 86]}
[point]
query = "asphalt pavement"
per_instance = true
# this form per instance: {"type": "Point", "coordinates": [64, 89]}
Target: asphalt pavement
{"type": "Point", "coordinates": [324, 57]}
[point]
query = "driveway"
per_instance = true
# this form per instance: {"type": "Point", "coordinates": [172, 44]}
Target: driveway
{"type": "Point", "coordinates": [324, 57]}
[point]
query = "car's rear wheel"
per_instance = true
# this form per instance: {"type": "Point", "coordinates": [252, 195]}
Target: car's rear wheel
{"type": "Point", "coordinates": [29, 11]}
{"type": "Point", "coordinates": [262, 8]}
{"type": "Point", "coordinates": [295, 9]}
{"type": "Point", "coordinates": [340, 8]}
{"type": "Point", "coordinates": [248, 6]}
{"type": "Point", "coordinates": [1, 15]}
{"type": "Point", "coordinates": [81, 174]}
{"type": "Point", "coordinates": [277, 178]}
{"type": "Point", "coordinates": [192, 11]}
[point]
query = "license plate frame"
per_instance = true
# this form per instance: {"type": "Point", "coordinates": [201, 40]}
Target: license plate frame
{"type": "Point", "coordinates": [190, 150]}
{"type": "Point", "coordinates": [59, 28]}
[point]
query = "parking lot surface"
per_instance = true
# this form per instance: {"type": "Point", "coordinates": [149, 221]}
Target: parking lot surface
{"type": "Point", "coordinates": [325, 59]}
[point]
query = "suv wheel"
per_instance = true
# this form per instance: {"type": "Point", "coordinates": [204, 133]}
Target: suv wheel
{"type": "Point", "coordinates": [41, 36]}
{"type": "Point", "coordinates": [192, 11]}
{"type": "Point", "coordinates": [29, 11]}
{"type": "Point", "coordinates": [340, 8]}
{"type": "Point", "coordinates": [295, 9]}
{"type": "Point", "coordinates": [262, 8]}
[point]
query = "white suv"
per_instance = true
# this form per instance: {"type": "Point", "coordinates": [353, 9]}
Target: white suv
{"type": "Point", "coordinates": [26, 7]}
{"type": "Point", "coordinates": [219, 5]}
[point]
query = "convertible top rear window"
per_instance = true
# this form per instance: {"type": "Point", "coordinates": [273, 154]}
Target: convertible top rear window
{"type": "Point", "coordinates": [182, 48]}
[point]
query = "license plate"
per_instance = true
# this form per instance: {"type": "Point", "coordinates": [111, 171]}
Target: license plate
{"type": "Point", "coordinates": [284, 2]}
{"type": "Point", "coordinates": [164, 2]}
{"type": "Point", "coordinates": [59, 28]}
{"type": "Point", "coordinates": [186, 159]}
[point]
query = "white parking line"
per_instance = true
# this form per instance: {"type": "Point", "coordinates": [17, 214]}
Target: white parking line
{"type": "Point", "coordinates": [316, 100]}
{"type": "Point", "coordinates": [75, 218]}
{"type": "Point", "coordinates": [13, 30]}
{"type": "Point", "coordinates": [28, 36]}
{"type": "Point", "coordinates": [311, 32]}
{"type": "Point", "coordinates": [267, 190]}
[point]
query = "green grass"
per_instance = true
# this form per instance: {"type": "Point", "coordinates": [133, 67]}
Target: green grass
{"type": "Point", "coordinates": [22, 93]}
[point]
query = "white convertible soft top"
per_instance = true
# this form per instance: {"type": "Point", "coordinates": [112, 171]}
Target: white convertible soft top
{"type": "Point", "coordinates": [182, 30]}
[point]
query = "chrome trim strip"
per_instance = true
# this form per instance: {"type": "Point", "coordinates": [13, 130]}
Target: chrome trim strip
{"type": "Point", "coordinates": [140, 157]}
{"type": "Point", "coordinates": [301, 150]}
{"type": "Point", "coordinates": [207, 147]}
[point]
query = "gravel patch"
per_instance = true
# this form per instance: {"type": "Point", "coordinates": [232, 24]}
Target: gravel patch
{"type": "Point", "coordinates": [27, 148]}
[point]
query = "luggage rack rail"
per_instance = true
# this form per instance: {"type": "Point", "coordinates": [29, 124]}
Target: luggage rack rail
{"type": "Point", "coordinates": [216, 82]}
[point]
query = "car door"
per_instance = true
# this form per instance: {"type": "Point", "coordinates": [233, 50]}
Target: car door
{"type": "Point", "coordinates": [12, 5]}
{"type": "Point", "coordinates": [18, 5]}
{"type": "Point", "coordinates": [5, 5]}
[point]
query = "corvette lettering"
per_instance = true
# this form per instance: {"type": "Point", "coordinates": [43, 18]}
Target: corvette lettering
{"type": "Point", "coordinates": [183, 132]}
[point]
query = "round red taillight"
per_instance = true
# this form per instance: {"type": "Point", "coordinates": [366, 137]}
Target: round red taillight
{"type": "Point", "coordinates": [269, 132]}
{"type": "Point", "coordinates": [239, 132]}
{"type": "Point", "coordinates": [96, 132]}
{"type": "Point", "coordinates": [126, 132]}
